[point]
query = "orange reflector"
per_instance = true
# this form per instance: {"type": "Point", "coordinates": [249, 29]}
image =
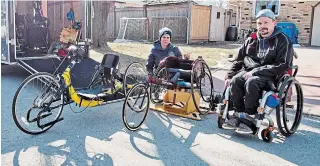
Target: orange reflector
{"type": "Point", "coordinates": [225, 101]}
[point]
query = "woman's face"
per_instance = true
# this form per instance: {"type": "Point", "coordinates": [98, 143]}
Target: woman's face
{"type": "Point", "coordinates": [165, 39]}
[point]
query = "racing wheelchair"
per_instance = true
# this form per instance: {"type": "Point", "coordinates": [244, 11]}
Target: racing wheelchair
{"type": "Point", "coordinates": [39, 100]}
{"type": "Point", "coordinates": [180, 87]}
{"type": "Point", "coordinates": [276, 96]}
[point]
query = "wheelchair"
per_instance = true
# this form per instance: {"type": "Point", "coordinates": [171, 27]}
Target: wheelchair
{"type": "Point", "coordinates": [276, 96]}
{"type": "Point", "coordinates": [180, 87]}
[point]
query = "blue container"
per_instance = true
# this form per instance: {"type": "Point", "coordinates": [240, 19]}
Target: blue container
{"type": "Point", "coordinates": [290, 30]}
{"type": "Point", "coordinates": [273, 101]}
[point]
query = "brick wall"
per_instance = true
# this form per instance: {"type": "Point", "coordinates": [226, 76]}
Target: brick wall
{"type": "Point", "coordinates": [297, 12]}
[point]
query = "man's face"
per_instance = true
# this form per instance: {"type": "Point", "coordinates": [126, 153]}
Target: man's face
{"type": "Point", "coordinates": [265, 26]}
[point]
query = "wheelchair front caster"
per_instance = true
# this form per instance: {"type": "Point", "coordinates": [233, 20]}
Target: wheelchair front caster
{"type": "Point", "coordinates": [266, 135]}
{"type": "Point", "coordinates": [217, 99]}
{"type": "Point", "coordinates": [220, 121]}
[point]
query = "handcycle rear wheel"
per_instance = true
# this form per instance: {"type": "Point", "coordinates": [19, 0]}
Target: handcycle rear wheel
{"type": "Point", "coordinates": [47, 87]}
{"type": "Point", "coordinates": [138, 93]}
{"type": "Point", "coordinates": [200, 78]}
{"type": "Point", "coordinates": [134, 74]}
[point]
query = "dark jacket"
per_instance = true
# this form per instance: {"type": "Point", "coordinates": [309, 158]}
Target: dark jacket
{"type": "Point", "coordinates": [268, 57]}
{"type": "Point", "coordinates": [158, 53]}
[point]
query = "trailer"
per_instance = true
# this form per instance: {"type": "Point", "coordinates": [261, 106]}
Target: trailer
{"type": "Point", "coordinates": [29, 29]}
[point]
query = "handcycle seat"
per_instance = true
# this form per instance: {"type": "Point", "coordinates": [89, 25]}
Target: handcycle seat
{"type": "Point", "coordinates": [88, 96]}
{"type": "Point", "coordinates": [185, 73]}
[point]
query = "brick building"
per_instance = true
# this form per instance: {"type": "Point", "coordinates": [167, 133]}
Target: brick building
{"type": "Point", "coordinates": [304, 14]}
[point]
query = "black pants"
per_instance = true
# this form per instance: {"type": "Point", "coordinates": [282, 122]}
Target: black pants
{"type": "Point", "coordinates": [251, 89]}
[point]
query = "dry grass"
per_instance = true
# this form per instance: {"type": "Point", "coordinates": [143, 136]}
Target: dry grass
{"type": "Point", "coordinates": [209, 52]}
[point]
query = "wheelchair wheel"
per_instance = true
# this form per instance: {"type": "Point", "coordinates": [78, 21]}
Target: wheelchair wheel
{"type": "Point", "coordinates": [134, 74]}
{"type": "Point", "coordinates": [135, 107]}
{"type": "Point", "coordinates": [157, 91]}
{"type": "Point", "coordinates": [289, 113]}
{"type": "Point", "coordinates": [202, 84]}
{"type": "Point", "coordinates": [37, 100]}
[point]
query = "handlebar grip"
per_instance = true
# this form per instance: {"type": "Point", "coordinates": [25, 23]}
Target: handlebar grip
{"type": "Point", "coordinates": [76, 53]}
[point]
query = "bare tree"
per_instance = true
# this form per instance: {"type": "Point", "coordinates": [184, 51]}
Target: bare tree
{"type": "Point", "coordinates": [99, 23]}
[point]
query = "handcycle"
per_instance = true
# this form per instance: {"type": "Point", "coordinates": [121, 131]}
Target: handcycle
{"type": "Point", "coordinates": [54, 91]}
{"type": "Point", "coordinates": [245, 33]}
{"type": "Point", "coordinates": [184, 88]}
{"type": "Point", "coordinates": [276, 96]}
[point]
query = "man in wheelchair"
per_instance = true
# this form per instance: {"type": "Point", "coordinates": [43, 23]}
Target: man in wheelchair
{"type": "Point", "coordinates": [261, 59]}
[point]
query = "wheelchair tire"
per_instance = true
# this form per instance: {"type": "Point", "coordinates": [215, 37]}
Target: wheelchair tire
{"type": "Point", "coordinates": [143, 110]}
{"type": "Point", "coordinates": [281, 113]}
{"type": "Point", "coordinates": [24, 123]}
{"type": "Point", "coordinates": [205, 71]}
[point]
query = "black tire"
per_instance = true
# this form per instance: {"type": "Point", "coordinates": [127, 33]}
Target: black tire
{"type": "Point", "coordinates": [281, 113]}
{"type": "Point", "coordinates": [196, 78]}
{"type": "Point", "coordinates": [51, 81]}
{"type": "Point", "coordinates": [291, 130]}
{"type": "Point", "coordinates": [144, 109]}
{"type": "Point", "coordinates": [160, 74]}
{"type": "Point", "coordinates": [266, 135]}
{"type": "Point", "coordinates": [220, 121]}
{"type": "Point", "coordinates": [133, 81]}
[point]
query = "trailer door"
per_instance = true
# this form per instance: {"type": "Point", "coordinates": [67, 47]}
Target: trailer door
{"type": "Point", "coordinates": [8, 36]}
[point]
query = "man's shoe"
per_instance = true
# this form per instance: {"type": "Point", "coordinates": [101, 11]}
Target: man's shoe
{"type": "Point", "coordinates": [244, 129]}
{"type": "Point", "coordinates": [232, 124]}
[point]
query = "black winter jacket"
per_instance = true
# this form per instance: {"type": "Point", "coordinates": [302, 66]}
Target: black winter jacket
{"type": "Point", "coordinates": [158, 53]}
{"type": "Point", "coordinates": [268, 57]}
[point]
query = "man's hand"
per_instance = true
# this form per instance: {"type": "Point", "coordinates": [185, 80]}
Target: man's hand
{"type": "Point", "coordinates": [247, 75]}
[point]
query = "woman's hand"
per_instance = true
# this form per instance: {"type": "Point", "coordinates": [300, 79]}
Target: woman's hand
{"type": "Point", "coordinates": [186, 56]}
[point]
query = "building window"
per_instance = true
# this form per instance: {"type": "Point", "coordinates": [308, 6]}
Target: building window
{"type": "Point", "coordinates": [269, 4]}
{"type": "Point", "coordinates": [218, 15]}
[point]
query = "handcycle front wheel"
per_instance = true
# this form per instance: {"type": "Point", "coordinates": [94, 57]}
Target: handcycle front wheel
{"type": "Point", "coordinates": [37, 93]}
{"type": "Point", "coordinates": [157, 91]}
{"type": "Point", "coordinates": [136, 104]}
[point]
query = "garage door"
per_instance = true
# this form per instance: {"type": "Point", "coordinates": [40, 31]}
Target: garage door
{"type": "Point", "coordinates": [315, 39]}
